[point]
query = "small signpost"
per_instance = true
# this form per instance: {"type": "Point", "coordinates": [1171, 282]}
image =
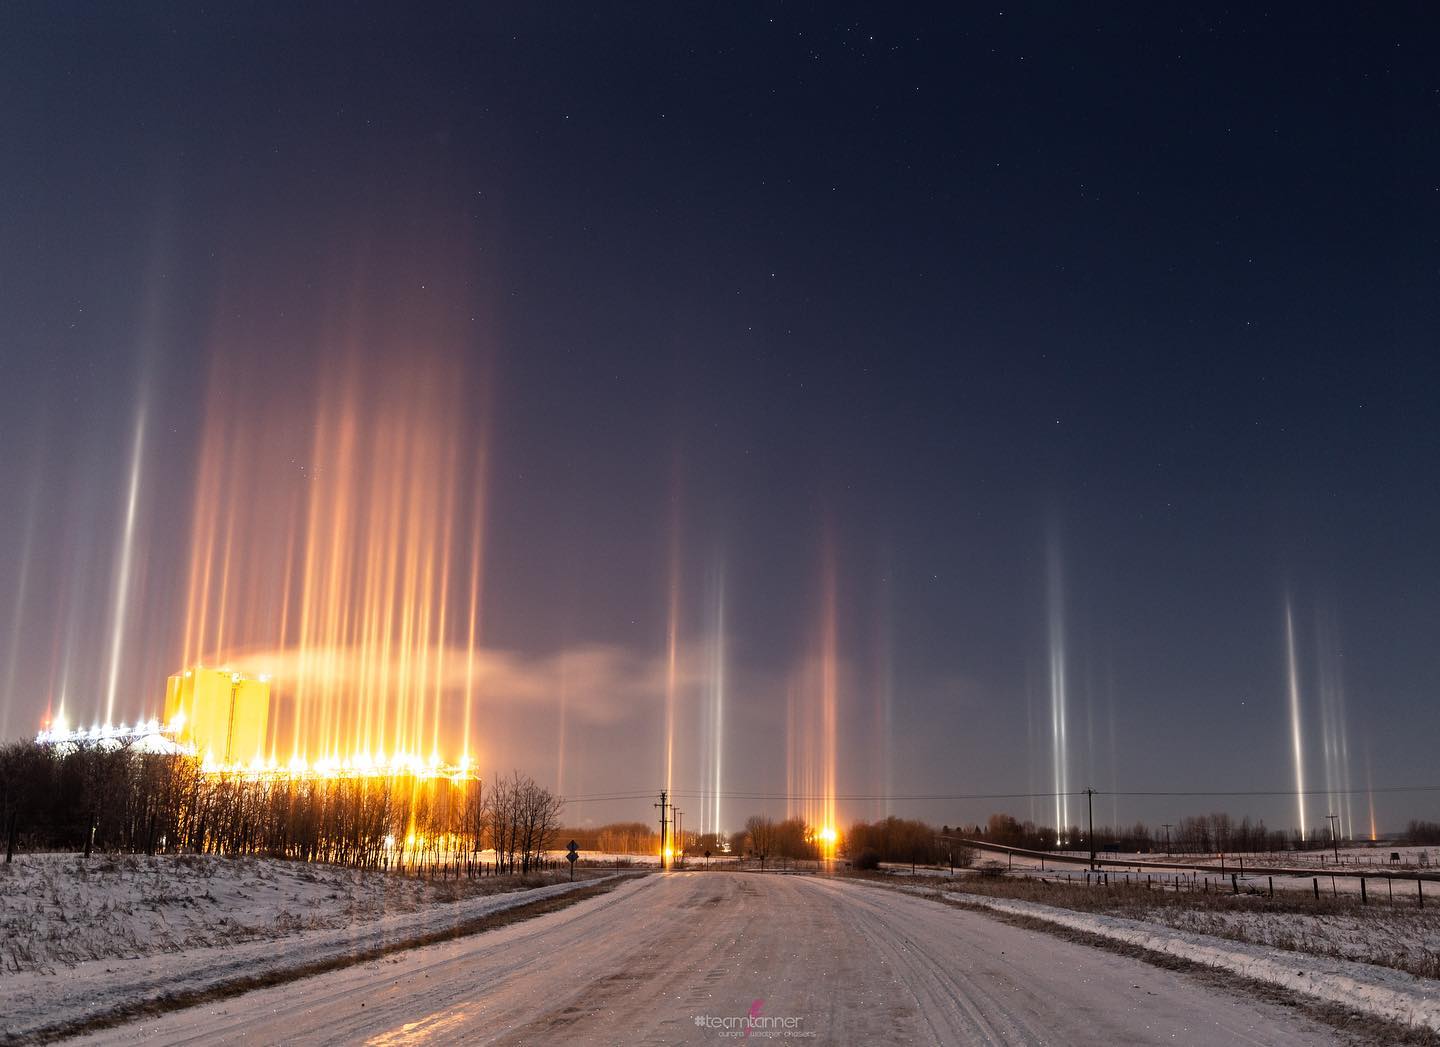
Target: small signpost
{"type": "Point", "coordinates": [572, 856]}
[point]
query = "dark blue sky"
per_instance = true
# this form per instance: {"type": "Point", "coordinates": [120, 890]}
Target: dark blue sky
{"type": "Point", "coordinates": [941, 288]}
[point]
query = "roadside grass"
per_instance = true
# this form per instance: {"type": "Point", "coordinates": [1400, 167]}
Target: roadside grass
{"type": "Point", "coordinates": [59, 910]}
{"type": "Point", "coordinates": [1353, 1026]}
{"type": "Point", "coordinates": [165, 1003]}
{"type": "Point", "coordinates": [1400, 935]}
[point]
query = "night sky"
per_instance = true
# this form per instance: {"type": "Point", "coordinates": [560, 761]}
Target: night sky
{"type": "Point", "coordinates": [1032, 337]}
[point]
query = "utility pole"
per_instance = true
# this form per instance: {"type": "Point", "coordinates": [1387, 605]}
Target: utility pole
{"type": "Point", "coordinates": [679, 838]}
{"type": "Point", "coordinates": [1334, 836]}
{"type": "Point", "coordinates": [1167, 827]}
{"type": "Point", "coordinates": [1090, 805]}
{"type": "Point", "coordinates": [664, 824]}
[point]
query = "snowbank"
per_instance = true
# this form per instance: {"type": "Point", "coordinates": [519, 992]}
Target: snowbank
{"type": "Point", "coordinates": [1385, 993]}
{"type": "Point", "coordinates": [51, 995]}
{"type": "Point", "coordinates": [62, 909]}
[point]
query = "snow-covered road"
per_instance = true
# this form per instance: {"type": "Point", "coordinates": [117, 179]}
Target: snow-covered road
{"type": "Point", "coordinates": [677, 958]}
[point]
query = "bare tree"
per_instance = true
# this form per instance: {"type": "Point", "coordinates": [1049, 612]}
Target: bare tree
{"type": "Point", "coordinates": [472, 821]}
{"type": "Point", "coordinates": [760, 833]}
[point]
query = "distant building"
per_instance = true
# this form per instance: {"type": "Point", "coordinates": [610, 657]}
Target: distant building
{"type": "Point", "coordinates": [223, 714]}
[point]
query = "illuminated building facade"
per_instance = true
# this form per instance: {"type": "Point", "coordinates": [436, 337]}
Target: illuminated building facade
{"type": "Point", "coordinates": [224, 715]}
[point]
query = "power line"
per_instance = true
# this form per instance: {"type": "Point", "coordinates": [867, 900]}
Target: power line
{"type": "Point", "coordinates": [860, 797]}
{"type": "Point", "coordinates": [607, 797]}
{"type": "Point", "coordinates": [1286, 792]}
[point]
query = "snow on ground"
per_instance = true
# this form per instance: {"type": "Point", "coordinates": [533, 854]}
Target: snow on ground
{"type": "Point", "coordinates": [1386, 993]}
{"type": "Point", "coordinates": [1396, 933]}
{"type": "Point", "coordinates": [59, 909]}
{"type": "Point", "coordinates": [1362, 858]}
{"type": "Point", "coordinates": [614, 860]}
{"type": "Point", "coordinates": [695, 957]}
{"type": "Point", "coordinates": [607, 859]}
{"type": "Point", "coordinates": [916, 972]}
{"type": "Point", "coordinates": [1332, 879]}
{"type": "Point", "coordinates": [90, 937]}
{"type": "Point", "coordinates": [1404, 939]}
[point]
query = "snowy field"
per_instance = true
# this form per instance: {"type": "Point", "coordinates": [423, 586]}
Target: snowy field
{"type": "Point", "coordinates": [686, 958]}
{"type": "Point", "coordinates": [62, 909]}
{"type": "Point", "coordinates": [606, 860]}
{"type": "Point", "coordinates": [1407, 940]}
{"type": "Point", "coordinates": [1362, 858]}
{"type": "Point", "coordinates": [114, 933]}
{"type": "Point", "coordinates": [1399, 934]}
{"type": "Point", "coordinates": [82, 939]}
{"type": "Point", "coordinates": [906, 968]}
{"type": "Point", "coordinates": [1382, 884]}
{"type": "Point", "coordinates": [1394, 995]}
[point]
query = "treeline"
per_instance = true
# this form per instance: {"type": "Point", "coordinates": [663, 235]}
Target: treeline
{"type": "Point", "coordinates": [765, 838]}
{"type": "Point", "coordinates": [92, 797]}
{"type": "Point", "coordinates": [641, 838]}
{"type": "Point", "coordinates": [616, 838]}
{"type": "Point", "coordinates": [697, 845]}
{"type": "Point", "coordinates": [1197, 834]}
{"type": "Point", "coordinates": [866, 844]}
{"type": "Point", "coordinates": [893, 839]}
{"type": "Point", "coordinates": [1422, 832]}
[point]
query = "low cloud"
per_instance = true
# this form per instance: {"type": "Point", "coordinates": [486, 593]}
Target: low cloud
{"type": "Point", "coordinates": [601, 683]}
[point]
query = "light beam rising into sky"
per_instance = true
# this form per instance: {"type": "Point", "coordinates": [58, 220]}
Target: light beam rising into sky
{"type": "Point", "coordinates": [672, 646]}
{"type": "Point", "coordinates": [17, 608]}
{"type": "Point", "coordinates": [1297, 740]}
{"type": "Point", "coordinates": [119, 612]}
{"type": "Point", "coordinates": [830, 690]}
{"type": "Point", "coordinates": [355, 617]}
{"type": "Point", "coordinates": [885, 699]}
{"type": "Point", "coordinates": [812, 704]}
{"type": "Point", "coordinates": [712, 820]}
{"type": "Point", "coordinates": [1059, 715]}
{"type": "Point", "coordinates": [1334, 724]}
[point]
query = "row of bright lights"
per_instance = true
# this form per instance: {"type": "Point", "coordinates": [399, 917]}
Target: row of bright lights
{"type": "Point", "coordinates": [360, 765]}
{"type": "Point", "coordinates": [234, 676]}
{"type": "Point", "coordinates": [60, 731]}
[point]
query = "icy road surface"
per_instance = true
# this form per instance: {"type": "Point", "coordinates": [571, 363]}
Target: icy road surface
{"type": "Point", "coordinates": [677, 958]}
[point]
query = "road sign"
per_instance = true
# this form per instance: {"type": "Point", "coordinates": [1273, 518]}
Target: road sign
{"type": "Point", "coordinates": [572, 856]}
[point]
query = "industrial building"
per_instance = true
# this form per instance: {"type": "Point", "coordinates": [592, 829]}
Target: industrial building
{"type": "Point", "coordinates": [224, 715]}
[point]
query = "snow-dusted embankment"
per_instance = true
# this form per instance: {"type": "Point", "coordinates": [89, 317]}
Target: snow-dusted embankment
{"type": "Point", "coordinates": [1381, 991]}
{"type": "Point", "coordinates": [52, 998]}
